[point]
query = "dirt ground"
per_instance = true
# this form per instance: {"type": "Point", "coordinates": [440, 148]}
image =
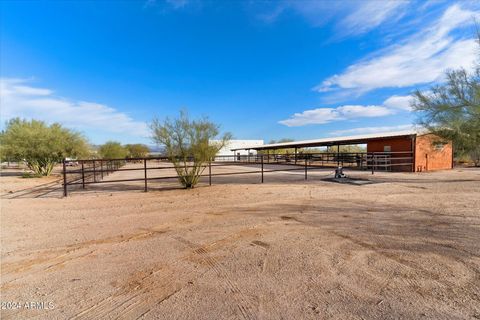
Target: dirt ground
{"type": "Point", "coordinates": [406, 246]}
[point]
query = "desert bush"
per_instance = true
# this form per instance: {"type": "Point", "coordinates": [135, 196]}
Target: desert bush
{"type": "Point", "coordinates": [40, 145]}
{"type": "Point", "coordinates": [188, 145]}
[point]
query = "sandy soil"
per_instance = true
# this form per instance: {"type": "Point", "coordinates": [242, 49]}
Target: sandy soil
{"type": "Point", "coordinates": [404, 247]}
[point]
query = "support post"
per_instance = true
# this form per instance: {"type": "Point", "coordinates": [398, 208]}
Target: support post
{"type": "Point", "coordinates": [306, 165]}
{"type": "Point", "coordinates": [64, 179]}
{"type": "Point", "coordinates": [83, 176]}
{"type": "Point", "coordinates": [210, 172]}
{"type": "Point", "coordinates": [374, 163]}
{"type": "Point", "coordinates": [262, 167]}
{"type": "Point", "coordinates": [145, 173]}
{"type": "Point", "coordinates": [338, 155]}
{"type": "Point", "coordinates": [94, 172]}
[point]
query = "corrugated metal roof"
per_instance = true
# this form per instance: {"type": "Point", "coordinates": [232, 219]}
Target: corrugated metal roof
{"type": "Point", "coordinates": [336, 140]}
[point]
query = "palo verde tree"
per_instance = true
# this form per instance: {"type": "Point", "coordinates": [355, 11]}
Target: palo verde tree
{"type": "Point", "coordinates": [112, 150]}
{"type": "Point", "coordinates": [40, 145]}
{"type": "Point", "coordinates": [137, 150]}
{"type": "Point", "coordinates": [452, 111]}
{"type": "Point", "coordinates": [188, 145]}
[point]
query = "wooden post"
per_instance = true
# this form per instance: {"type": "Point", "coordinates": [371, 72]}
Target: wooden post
{"type": "Point", "coordinates": [145, 173]}
{"type": "Point", "coordinates": [83, 176]}
{"type": "Point", "coordinates": [210, 172]}
{"type": "Point", "coordinates": [64, 179]}
{"type": "Point", "coordinates": [262, 168]}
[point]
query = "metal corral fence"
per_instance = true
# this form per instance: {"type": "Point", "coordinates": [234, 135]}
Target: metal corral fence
{"type": "Point", "coordinates": [93, 171]}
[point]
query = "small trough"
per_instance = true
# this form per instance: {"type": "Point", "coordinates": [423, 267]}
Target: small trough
{"type": "Point", "coordinates": [355, 182]}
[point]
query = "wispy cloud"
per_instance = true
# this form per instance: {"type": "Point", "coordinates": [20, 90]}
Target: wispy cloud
{"type": "Point", "coordinates": [20, 99]}
{"type": "Point", "coordinates": [353, 17]}
{"type": "Point", "coordinates": [420, 59]}
{"type": "Point", "coordinates": [366, 130]}
{"type": "Point", "coordinates": [175, 4]}
{"type": "Point", "coordinates": [390, 106]}
{"type": "Point", "coordinates": [326, 115]}
{"type": "Point", "coordinates": [371, 14]}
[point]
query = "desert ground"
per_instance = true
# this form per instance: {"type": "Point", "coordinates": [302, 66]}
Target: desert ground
{"type": "Point", "coordinates": [404, 246]}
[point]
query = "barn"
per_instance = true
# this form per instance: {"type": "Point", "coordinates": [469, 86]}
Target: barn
{"type": "Point", "coordinates": [412, 151]}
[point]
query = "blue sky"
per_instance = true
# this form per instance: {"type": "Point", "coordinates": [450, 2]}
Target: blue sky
{"type": "Point", "coordinates": [263, 70]}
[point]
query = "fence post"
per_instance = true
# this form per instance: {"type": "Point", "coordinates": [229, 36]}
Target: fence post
{"type": "Point", "coordinates": [262, 167]}
{"type": "Point", "coordinates": [64, 179]}
{"type": "Point", "coordinates": [374, 163]}
{"type": "Point", "coordinates": [83, 176]}
{"type": "Point", "coordinates": [210, 172]}
{"type": "Point", "coordinates": [94, 172]}
{"type": "Point", "coordinates": [101, 168]}
{"type": "Point", "coordinates": [306, 161]}
{"type": "Point", "coordinates": [145, 173]}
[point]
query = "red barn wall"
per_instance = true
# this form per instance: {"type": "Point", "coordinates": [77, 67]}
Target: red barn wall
{"type": "Point", "coordinates": [398, 144]}
{"type": "Point", "coordinates": [428, 157]}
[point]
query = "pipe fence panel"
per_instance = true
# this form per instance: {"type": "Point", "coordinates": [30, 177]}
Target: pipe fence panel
{"type": "Point", "coordinates": [82, 173]}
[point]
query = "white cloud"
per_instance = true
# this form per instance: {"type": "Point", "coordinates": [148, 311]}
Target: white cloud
{"type": "Point", "coordinates": [355, 17]}
{"type": "Point", "coordinates": [367, 130]}
{"type": "Point", "coordinates": [421, 58]}
{"type": "Point", "coordinates": [371, 14]}
{"type": "Point", "coordinates": [325, 115]}
{"type": "Point", "coordinates": [399, 102]}
{"type": "Point", "coordinates": [19, 99]}
{"type": "Point", "coordinates": [347, 112]}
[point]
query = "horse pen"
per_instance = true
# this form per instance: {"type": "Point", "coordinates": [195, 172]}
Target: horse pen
{"type": "Point", "coordinates": [386, 245]}
{"type": "Point", "coordinates": [159, 172]}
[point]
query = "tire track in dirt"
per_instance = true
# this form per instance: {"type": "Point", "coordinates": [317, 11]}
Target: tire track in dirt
{"type": "Point", "coordinates": [62, 255]}
{"type": "Point", "coordinates": [410, 268]}
{"type": "Point", "coordinates": [242, 302]}
{"type": "Point", "coordinates": [142, 291]}
{"type": "Point", "coordinates": [137, 295]}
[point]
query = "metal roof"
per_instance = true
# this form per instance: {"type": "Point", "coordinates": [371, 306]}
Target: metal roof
{"type": "Point", "coordinates": [358, 139]}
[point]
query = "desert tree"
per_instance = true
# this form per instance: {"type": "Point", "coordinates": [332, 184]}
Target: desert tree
{"type": "Point", "coordinates": [452, 111]}
{"type": "Point", "coordinates": [188, 145]}
{"type": "Point", "coordinates": [137, 150]}
{"type": "Point", "coordinates": [40, 145]}
{"type": "Point", "coordinates": [112, 150]}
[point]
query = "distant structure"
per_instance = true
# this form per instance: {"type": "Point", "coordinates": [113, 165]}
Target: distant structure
{"type": "Point", "coordinates": [240, 145]}
{"type": "Point", "coordinates": [395, 151]}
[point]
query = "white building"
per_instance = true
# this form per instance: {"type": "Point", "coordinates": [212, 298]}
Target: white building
{"type": "Point", "coordinates": [238, 144]}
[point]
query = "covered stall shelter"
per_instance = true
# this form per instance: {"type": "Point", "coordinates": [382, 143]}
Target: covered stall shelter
{"type": "Point", "coordinates": [392, 151]}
